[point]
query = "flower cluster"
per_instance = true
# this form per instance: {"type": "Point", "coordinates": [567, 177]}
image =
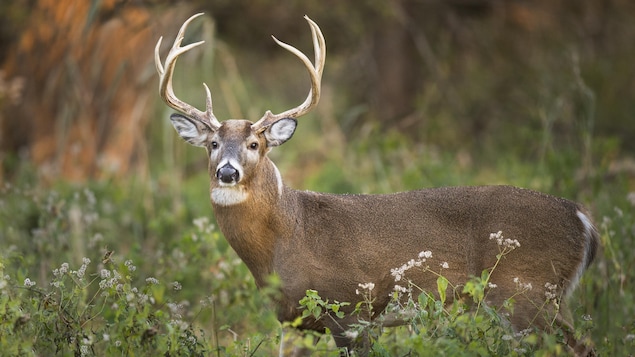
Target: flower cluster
{"type": "Point", "coordinates": [107, 281]}
{"type": "Point", "coordinates": [28, 283]}
{"type": "Point", "coordinates": [506, 243]}
{"type": "Point", "coordinates": [551, 292]}
{"type": "Point", "coordinates": [82, 269]}
{"type": "Point", "coordinates": [520, 286]}
{"type": "Point", "coordinates": [398, 273]}
{"type": "Point", "coordinates": [61, 270]}
{"type": "Point", "coordinates": [131, 267]}
{"type": "Point", "coordinates": [366, 288]}
{"type": "Point", "coordinates": [152, 281]}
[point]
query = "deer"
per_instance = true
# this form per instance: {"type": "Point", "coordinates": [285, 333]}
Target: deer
{"type": "Point", "coordinates": [332, 243]}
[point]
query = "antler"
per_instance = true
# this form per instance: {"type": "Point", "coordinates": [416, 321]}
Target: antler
{"type": "Point", "coordinates": [315, 72]}
{"type": "Point", "coordinates": [165, 80]}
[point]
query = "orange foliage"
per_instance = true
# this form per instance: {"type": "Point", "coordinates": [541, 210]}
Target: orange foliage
{"type": "Point", "coordinates": [89, 89]}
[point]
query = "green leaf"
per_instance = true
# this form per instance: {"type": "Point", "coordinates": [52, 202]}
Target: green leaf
{"type": "Point", "coordinates": [442, 286]}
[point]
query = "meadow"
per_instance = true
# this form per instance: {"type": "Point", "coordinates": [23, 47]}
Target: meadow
{"type": "Point", "coordinates": [136, 266]}
{"type": "Point", "coordinates": [139, 267]}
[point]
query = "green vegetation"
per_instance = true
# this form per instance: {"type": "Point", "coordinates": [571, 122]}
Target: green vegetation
{"type": "Point", "coordinates": [137, 266]}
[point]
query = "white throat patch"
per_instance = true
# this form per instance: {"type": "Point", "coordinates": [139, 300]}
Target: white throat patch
{"type": "Point", "coordinates": [229, 195]}
{"type": "Point", "coordinates": [278, 180]}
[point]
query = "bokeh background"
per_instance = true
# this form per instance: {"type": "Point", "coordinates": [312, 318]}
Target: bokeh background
{"type": "Point", "coordinates": [474, 78]}
{"type": "Point", "coordinates": [416, 93]}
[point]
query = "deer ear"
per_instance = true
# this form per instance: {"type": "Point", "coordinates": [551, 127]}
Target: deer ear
{"type": "Point", "coordinates": [280, 131]}
{"type": "Point", "coordinates": [192, 131]}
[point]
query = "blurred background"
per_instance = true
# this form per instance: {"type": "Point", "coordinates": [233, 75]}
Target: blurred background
{"type": "Point", "coordinates": [474, 79]}
{"type": "Point", "coordinates": [416, 93]}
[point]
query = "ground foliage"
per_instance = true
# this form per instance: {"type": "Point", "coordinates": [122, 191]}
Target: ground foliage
{"type": "Point", "coordinates": [140, 268]}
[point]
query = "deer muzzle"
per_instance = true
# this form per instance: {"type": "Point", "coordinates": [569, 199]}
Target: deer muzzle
{"type": "Point", "coordinates": [227, 174]}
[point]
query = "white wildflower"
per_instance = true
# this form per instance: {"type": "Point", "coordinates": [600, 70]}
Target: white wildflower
{"type": "Point", "coordinates": [130, 265]}
{"type": "Point", "coordinates": [28, 283]}
{"type": "Point", "coordinates": [445, 265]}
{"type": "Point", "coordinates": [152, 281]}
{"type": "Point", "coordinates": [104, 273]}
{"type": "Point", "coordinates": [368, 287]}
{"type": "Point", "coordinates": [58, 273]}
{"type": "Point", "coordinates": [398, 273]}
{"type": "Point", "coordinates": [511, 243]}
{"type": "Point", "coordinates": [82, 269]}
{"type": "Point", "coordinates": [498, 236]}
{"type": "Point", "coordinates": [426, 254]}
{"type": "Point", "coordinates": [551, 292]}
{"type": "Point", "coordinates": [506, 243]}
{"type": "Point", "coordinates": [523, 333]}
{"type": "Point", "coordinates": [520, 286]}
{"type": "Point", "coordinates": [401, 289]}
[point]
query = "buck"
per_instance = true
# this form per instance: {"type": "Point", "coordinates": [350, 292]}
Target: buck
{"type": "Point", "coordinates": [333, 243]}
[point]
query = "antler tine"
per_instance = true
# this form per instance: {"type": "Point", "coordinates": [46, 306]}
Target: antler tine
{"type": "Point", "coordinates": [166, 73]}
{"type": "Point", "coordinates": [315, 72]}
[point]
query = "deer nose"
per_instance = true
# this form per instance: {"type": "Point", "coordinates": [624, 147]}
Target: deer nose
{"type": "Point", "coordinates": [227, 174]}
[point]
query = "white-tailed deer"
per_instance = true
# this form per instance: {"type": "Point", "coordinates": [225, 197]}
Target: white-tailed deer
{"type": "Point", "coordinates": [332, 243]}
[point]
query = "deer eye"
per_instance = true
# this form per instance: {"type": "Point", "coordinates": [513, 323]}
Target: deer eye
{"type": "Point", "coordinates": [214, 145]}
{"type": "Point", "coordinates": [253, 146]}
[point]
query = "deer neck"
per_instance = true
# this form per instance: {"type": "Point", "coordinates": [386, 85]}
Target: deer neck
{"type": "Point", "coordinates": [262, 216]}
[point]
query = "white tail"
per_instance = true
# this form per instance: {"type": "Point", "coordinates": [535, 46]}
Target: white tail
{"type": "Point", "coordinates": [332, 243]}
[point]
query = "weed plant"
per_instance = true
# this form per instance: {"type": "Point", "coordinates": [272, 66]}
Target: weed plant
{"type": "Point", "coordinates": [96, 270]}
